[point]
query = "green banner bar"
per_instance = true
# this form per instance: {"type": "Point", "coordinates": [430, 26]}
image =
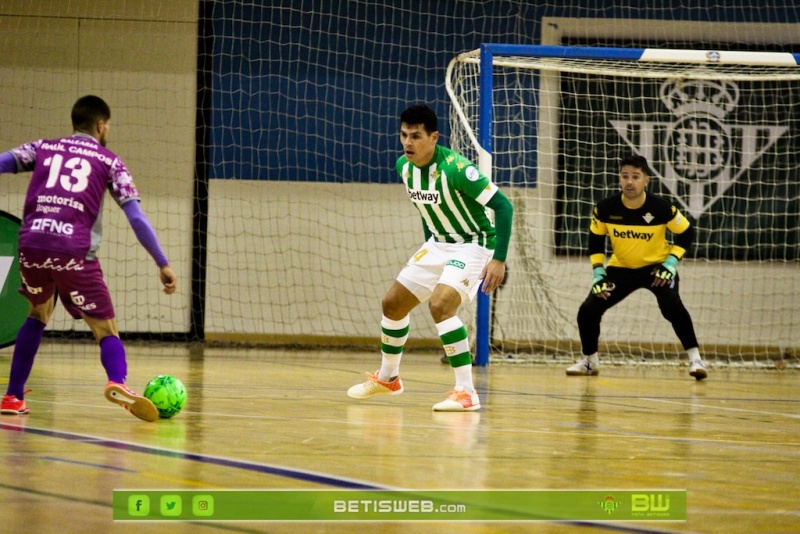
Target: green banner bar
{"type": "Point", "coordinates": [14, 305]}
{"type": "Point", "coordinates": [400, 505]}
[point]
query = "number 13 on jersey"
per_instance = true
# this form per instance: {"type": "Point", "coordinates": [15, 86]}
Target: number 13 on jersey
{"type": "Point", "coordinates": [78, 178]}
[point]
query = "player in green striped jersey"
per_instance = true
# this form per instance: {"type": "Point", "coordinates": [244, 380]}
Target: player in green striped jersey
{"type": "Point", "coordinates": [463, 251]}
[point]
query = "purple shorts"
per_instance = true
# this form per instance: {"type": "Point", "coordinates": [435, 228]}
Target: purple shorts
{"type": "Point", "coordinates": [79, 283]}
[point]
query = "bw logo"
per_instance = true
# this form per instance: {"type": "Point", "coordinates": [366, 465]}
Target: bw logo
{"type": "Point", "coordinates": [701, 154]}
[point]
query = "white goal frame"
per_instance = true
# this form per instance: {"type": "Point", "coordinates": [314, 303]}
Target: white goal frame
{"type": "Point", "coordinates": [685, 64]}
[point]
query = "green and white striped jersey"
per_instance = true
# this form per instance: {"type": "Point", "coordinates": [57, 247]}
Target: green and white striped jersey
{"type": "Point", "coordinates": [451, 194]}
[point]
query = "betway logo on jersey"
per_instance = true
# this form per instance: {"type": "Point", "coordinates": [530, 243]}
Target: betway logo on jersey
{"type": "Point", "coordinates": [424, 197]}
{"type": "Point", "coordinates": [52, 226]}
{"type": "Point", "coordinates": [632, 234]}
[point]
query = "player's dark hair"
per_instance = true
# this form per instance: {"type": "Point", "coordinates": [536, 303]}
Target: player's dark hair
{"type": "Point", "coordinates": [637, 161]}
{"type": "Point", "coordinates": [421, 114]}
{"type": "Point", "coordinates": [87, 111]}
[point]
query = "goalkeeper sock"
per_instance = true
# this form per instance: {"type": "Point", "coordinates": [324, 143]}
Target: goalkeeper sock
{"type": "Point", "coordinates": [694, 354]}
{"type": "Point", "coordinates": [456, 345]}
{"type": "Point", "coordinates": [393, 338]}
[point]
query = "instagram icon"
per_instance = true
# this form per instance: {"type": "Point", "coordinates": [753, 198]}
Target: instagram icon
{"type": "Point", "coordinates": [203, 505]}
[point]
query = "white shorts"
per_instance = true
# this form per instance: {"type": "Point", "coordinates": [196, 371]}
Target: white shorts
{"type": "Point", "coordinates": [458, 265]}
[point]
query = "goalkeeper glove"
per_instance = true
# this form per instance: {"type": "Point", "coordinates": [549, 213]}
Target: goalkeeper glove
{"type": "Point", "coordinates": [666, 272]}
{"type": "Point", "coordinates": [601, 287]}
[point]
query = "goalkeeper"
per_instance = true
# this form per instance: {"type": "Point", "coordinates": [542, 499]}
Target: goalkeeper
{"type": "Point", "coordinates": [636, 223]}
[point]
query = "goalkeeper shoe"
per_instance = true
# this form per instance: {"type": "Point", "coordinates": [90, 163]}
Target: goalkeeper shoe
{"type": "Point", "coordinates": [375, 386]}
{"type": "Point", "coordinates": [138, 405]}
{"type": "Point", "coordinates": [11, 405]}
{"type": "Point", "coordinates": [459, 400]}
{"type": "Point", "coordinates": [698, 370]}
{"type": "Point", "coordinates": [583, 367]}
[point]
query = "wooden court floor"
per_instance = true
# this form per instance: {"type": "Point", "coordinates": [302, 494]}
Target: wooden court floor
{"type": "Point", "coordinates": [281, 419]}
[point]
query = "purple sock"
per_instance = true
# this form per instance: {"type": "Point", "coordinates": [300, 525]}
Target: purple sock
{"type": "Point", "coordinates": [28, 339]}
{"type": "Point", "coordinates": [112, 356]}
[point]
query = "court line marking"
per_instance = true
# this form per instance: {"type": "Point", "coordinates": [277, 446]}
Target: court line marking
{"type": "Point", "coordinates": [298, 474]}
{"type": "Point", "coordinates": [277, 470]}
{"type": "Point", "coordinates": [88, 464]}
{"type": "Point", "coordinates": [724, 408]}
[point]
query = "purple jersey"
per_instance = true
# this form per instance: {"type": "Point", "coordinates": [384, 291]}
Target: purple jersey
{"type": "Point", "coordinates": [64, 204]}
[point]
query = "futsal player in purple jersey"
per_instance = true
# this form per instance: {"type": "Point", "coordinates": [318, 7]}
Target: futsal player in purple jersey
{"type": "Point", "coordinates": [58, 241]}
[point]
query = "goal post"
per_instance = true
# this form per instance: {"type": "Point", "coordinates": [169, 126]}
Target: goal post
{"type": "Point", "coordinates": [721, 130]}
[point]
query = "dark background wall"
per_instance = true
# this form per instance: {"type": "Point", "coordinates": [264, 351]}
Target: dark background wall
{"type": "Point", "coordinates": [311, 90]}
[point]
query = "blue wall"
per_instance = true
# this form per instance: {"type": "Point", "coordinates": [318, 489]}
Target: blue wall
{"type": "Point", "coordinates": [311, 90]}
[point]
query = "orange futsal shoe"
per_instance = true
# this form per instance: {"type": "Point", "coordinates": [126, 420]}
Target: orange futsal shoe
{"type": "Point", "coordinates": [374, 386]}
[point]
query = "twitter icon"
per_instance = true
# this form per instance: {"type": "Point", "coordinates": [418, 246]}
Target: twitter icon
{"type": "Point", "coordinates": [171, 505]}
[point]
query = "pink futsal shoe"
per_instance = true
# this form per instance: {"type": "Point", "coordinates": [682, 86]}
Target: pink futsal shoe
{"type": "Point", "coordinates": [138, 405]}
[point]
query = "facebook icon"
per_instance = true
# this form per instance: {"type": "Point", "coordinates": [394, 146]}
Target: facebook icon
{"type": "Point", "coordinates": [138, 505]}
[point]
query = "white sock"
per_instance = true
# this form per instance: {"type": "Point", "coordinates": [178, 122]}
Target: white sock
{"type": "Point", "coordinates": [457, 347]}
{"type": "Point", "coordinates": [694, 354]}
{"type": "Point", "coordinates": [464, 378]}
{"type": "Point", "coordinates": [390, 366]}
{"type": "Point", "coordinates": [390, 361]}
{"type": "Point", "coordinates": [593, 359]}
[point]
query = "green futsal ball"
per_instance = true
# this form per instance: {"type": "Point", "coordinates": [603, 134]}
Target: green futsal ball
{"type": "Point", "coordinates": [167, 393]}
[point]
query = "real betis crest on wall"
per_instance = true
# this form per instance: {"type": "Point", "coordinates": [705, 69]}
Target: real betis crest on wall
{"type": "Point", "coordinates": [726, 152]}
{"type": "Point", "coordinates": [701, 152]}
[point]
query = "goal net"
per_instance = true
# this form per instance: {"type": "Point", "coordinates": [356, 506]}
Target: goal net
{"type": "Point", "coordinates": [720, 130]}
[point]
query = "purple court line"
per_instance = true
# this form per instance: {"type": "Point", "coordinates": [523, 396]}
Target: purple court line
{"type": "Point", "coordinates": [296, 474]}
{"type": "Point", "coordinates": [88, 464]}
